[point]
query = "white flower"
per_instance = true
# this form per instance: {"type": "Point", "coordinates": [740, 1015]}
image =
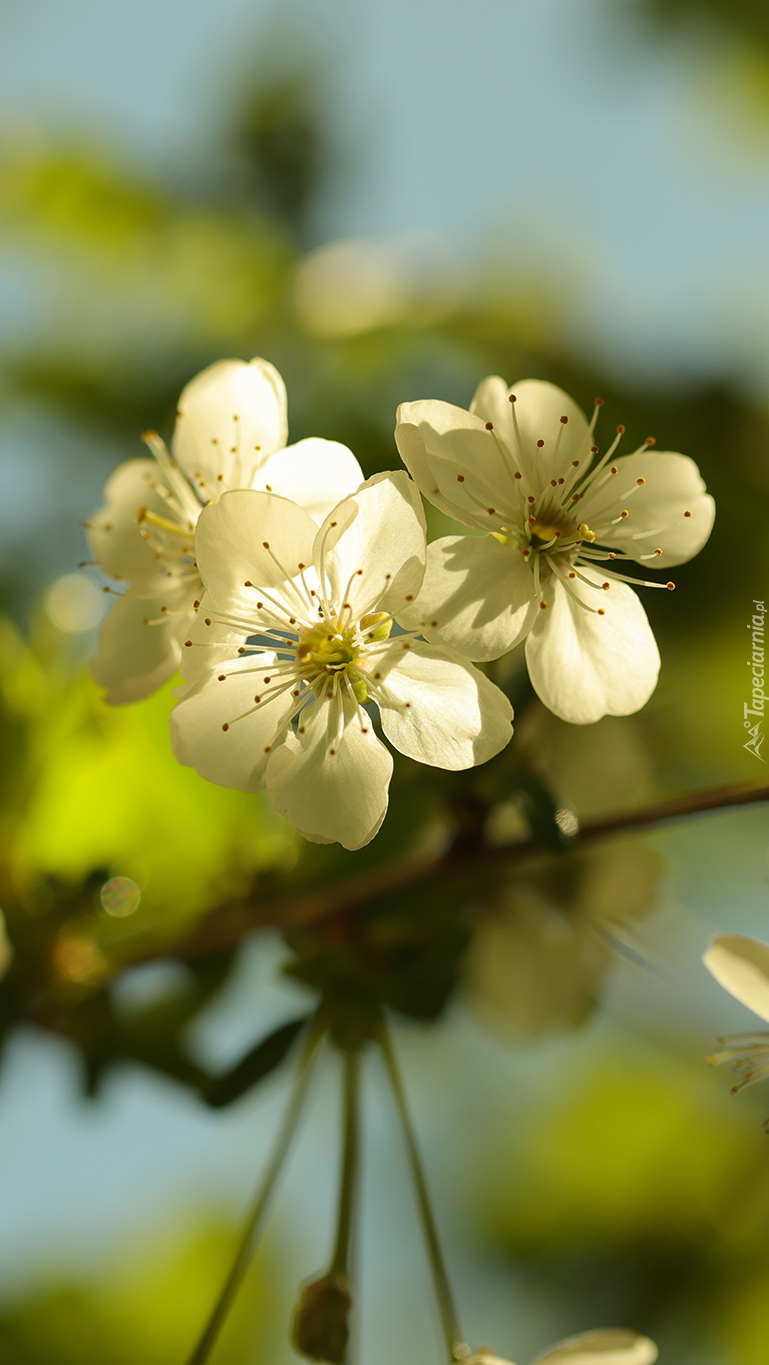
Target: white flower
{"type": "Point", "coordinates": [521, 465]}
{"type": "Point", "coordinates": [230, 433]}
{"type": "Point", "coordinates": [611, 1346]}
{"type": "Point", "coordinates": [293, 638]}
{"type": "Point", "coordinates": [741, 965]}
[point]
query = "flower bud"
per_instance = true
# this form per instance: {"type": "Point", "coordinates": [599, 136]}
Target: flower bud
{"type": "Point", "coordinates": [321, 1325]}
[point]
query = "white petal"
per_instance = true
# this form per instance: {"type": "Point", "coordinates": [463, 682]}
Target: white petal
{"type": "Point", "coordinates": [584, 666]}
{"type": "Point", "coordinates": [477, 596]}
{"type": "Point", "coordinates": [491, 402]}
{"type": "Point", "coordinates": [209, 644]}
{"type": "Point", "coordinates": [612, 1346]}
{"type": "Point", "coordinates": [741, 965]}
{"type": "Point", "coordinates": [231, 417]}
{"type": "Point", "coordinates": [114, 534]}
{"type": "Point", "coordinates": [456, 463]}
{"type": "Point", "coordinates": [485, 1357]}
{"type": "Point", "coordinates": [439, 710]}
{"type": "Point", "coordinates": [373, 545]}
{"type": "Point", "coordinates": [315, 473]}
{"type": "Point", "coordinates": [656, 509]}
{"type": "Point", "coordinates": [133, 658]}
{"type": "Point", "coordinates": [231, 547]}
{"type": "Point", "coordinates": [539, 408]}
{"type": "Point", "coordinates": [338, 797]}
{"type": "Point", "coordinates": [238, 756]}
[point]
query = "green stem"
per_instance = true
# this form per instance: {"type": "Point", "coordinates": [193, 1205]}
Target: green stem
{"type": "Point", "coordinates": [455, 1342]}
{"type": "Point", "coordinates": [350, 1161]}
{"type": "Point", "coordinates": [264, 1193]}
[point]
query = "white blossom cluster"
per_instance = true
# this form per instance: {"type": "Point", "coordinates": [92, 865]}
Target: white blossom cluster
{"type": "Point", "coordinates": [295, 597]}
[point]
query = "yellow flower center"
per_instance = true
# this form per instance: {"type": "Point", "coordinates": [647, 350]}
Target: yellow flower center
{"type": "Point", "coordinates": [334, 646]}
{"type": "Point", "coordinates": [330, 647]}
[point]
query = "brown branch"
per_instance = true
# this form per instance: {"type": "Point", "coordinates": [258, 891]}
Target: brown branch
{"type": "Point", "coordinates": [227, 926]}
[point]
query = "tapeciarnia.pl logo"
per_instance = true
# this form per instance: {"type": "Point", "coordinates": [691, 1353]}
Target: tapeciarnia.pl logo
{"type": "Point", "coordinates": [753, 711]}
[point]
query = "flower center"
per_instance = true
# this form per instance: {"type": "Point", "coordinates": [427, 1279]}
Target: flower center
{"type": "Point", "coordinates": [334, 646]}
{"type": "Point", "coordinates": [331, 646]}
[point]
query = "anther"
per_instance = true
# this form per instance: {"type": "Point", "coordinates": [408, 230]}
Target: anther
{"type": "Point", "coordinates": [301, 566]}
{"type": "Point", "coordinates": [248, 583]}
{"type": "Point", "coordinates": [650, 441]}
{"type": "Point", "coordinates": [407, 646]}
{"type": "Point", "coordinates": [266, 544]}
{"type": "Point", "coordinates": [658, 551]}
{"type": "Point", "coordinates": [640, 482]}
{"type": "Point", "coordinates": [594, 450]}
{"type": "Point", "coordinates": [670, 587]}
{"type": "Point", "coordinates": [572, 574]}
{"type": "Point", "coordinates": [196, 604]}
{"type": "Point", "coordinates": [620, 430]}
{"type": "Point", "coordinates": [242, 649]}
{"type": "Point", "coordinates": [222, 676]}
{"type": "Point", "coordinates": [511, 398]}
{"type": "Point", "coordinates": [188, 643]}
{"type": "Point", "coordinates": [433, 623]}
{"type": "Point", "coordinates": [301, 729]}
{"type": "Point", "coordinates": [554, 483]}
{"type": "Point", "coordinates": [491, 511]}
{"type": "Point", "coordinates": [687, 514]}
{"type": "Point", "coordinates": [543, 605]}
{"type": "Point", "coordinates": [564, 420]}
{"type": "Point", "coordinates": [257, 699]}
{"type": "Point", "coordinates": [606, 586]}
{"type": "Point", "coordinates": [460, 478]}
{"type": "Point", "coordinates": [598, 402]}
{"type": "Point", "coordinates": [601, 611]}
{"type": "Point", "coordinates": [560, 481]}
{"type": "Point", "coordinates": [332, 751]}
{"type": "Point", "coordinates": [489, 426]}
{"type": "Point", "coordinates": [531, 499]}
{"type": "Point", "coordinates": [575, 497]}
{"type": "Point", "coordinates": [517, 474]}
{"type": "Point", "coordinates": [377, 675]}
{"type": "Point", "coordinates": [612, 555]}
{"type": "Point", "coordinates": [410, 597]}
{"type": "Point", "coordinates": [220, 478]}
{"type": "Point", "coordinates": [624, 514]}
{"type": "Point", "coordinates": [226, 725]}
{"type": "Point", "coordinates": [208, 620]}
{"type": "Point", "coordinates": [615, 470]}
{"type": "Point", "coordinates": [540, 444]}
{"type": "Point", "coordinates": [267, 748]}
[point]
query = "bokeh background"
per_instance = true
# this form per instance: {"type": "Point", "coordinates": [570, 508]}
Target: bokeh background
{"type": "Point", "coordinates": [388, 200]}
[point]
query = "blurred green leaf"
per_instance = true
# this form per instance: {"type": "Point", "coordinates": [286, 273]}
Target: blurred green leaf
{"type": "Point", "coordinates": [254, 1067]}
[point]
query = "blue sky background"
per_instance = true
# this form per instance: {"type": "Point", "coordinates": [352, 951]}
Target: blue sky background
{"type": "Point", "coordinates": [566, 128]}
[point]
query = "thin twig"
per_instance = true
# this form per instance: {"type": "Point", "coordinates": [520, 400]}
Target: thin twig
{"type": "Point", "coordinates": [455, 1343]}
{"type": "Point", "coordinates": [264, 1193]}
{"type": "Point", "coordinates": [350, 1160]}
{"type": "Point", "coordinates": [230, 924]}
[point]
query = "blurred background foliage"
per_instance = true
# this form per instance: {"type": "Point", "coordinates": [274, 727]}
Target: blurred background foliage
{"type": "Point", "coordinates": [618, 1189]}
